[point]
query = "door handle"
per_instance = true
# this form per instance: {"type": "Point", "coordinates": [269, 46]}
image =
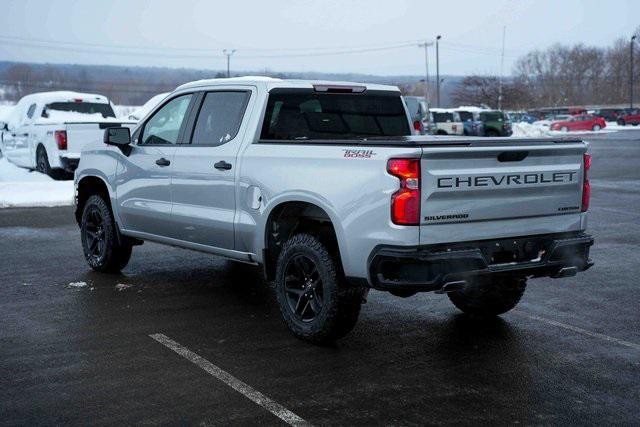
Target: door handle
{"type": "Point", "coordinates": [163, 162]}
{"type": "Point", "coordinates": [222, 165]}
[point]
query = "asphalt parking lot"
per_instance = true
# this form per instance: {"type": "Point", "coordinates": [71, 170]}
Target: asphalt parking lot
{"type": "Point", "coordinates": [74, 354]}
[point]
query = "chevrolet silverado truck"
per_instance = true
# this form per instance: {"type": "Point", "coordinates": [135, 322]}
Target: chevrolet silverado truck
{"type": "Point", "coordinates": [46, 131]}
{"type": "Point", "coordinates": [323, 186]}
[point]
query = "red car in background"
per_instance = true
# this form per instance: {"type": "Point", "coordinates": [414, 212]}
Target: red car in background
{"type": "Point", "coordinates": [629, 117]}
{"type": "Point", "coordinates": [579, 122]}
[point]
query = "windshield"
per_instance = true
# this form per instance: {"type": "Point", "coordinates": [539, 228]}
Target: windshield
{"type": "Point", "coordinates": [80, 107]}
{"type": "Point", "coordinates": [304, 114]}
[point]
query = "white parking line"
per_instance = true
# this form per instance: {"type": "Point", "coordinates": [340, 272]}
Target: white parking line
{"type": "Point", "coordinates": [579, 330]}
{"type": "Point", "coordinates": [250, 393]}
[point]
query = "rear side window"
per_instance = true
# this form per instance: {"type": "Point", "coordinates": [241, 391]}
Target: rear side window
{"type": "Point", "coordinates": [220, 117]}
{"type": "Point", "coordinates": [465, 115]}
{"type": "Point", "coordinates": [305, 114]}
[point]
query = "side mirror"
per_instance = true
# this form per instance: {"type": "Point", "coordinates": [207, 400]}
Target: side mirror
{"type": "Point", "coordinates": [120, 137]}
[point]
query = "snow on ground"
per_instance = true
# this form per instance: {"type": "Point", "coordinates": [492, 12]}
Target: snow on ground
{"type": "Point", "coordinates": [21, 188]}
{"type": "Point", "coordinates": [77, 285]}
{"type": "Point", "coordinates": [538, 129]}
{"type": "Point", "coordinates": [530, 130]}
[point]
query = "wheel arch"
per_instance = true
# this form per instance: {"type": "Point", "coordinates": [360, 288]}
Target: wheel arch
{"type": "Point", "coordinates": [288, 216]}
{"type": "Point", "coordinates": [86, 187]}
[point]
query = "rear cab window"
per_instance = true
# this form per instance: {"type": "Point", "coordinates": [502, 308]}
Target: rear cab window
{"type": "Point", "coordinates": [304, 114]}
{"type": "Point", "coordinates": [80, 107]}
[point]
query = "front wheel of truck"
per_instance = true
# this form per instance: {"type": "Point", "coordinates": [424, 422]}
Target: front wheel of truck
{"type": "Point", "coordinates": [316, 302]}
{"type": "Point", "coordinates": [102, 250]}
{"type": "Point", "coordinates": [489, 297]}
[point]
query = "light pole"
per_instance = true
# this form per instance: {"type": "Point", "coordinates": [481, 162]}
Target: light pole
{"type": "Point", "coordinates": [438, 72]}
{"type": "Point", "coordinates": [633, 39]}
{"type": "Point", "coordinates": [426, 68]}
{"type": "Point", "coordinates": [228, 53]}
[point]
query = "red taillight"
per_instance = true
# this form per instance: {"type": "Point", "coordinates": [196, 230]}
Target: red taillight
{"type": "Point", "coordinates": [61, 139]}
{"type": "Point", "coordinates": [405, 203]}
{"type": "Point", "coordinates": [586, 186]}
{"type": "Point", "coordinates": [417, 125]}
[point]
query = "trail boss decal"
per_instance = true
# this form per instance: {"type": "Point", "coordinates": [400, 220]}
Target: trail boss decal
{"type": "Point", "coordinates": [506, 180]}
{"type": "Point", "coordinates": [358, 154]}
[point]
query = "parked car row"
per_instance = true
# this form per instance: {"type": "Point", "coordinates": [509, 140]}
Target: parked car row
{"type": "Point", "coordinates": [467, 121]}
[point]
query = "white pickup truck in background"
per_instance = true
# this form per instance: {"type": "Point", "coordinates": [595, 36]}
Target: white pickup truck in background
{"type": "Point", "coordinates": [46, 131]}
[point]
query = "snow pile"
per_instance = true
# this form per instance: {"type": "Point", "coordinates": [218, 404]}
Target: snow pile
{"type": "Point", "coordinates": [122, 287]}
{"type": "Point", "coordinates": [123, 111]}
{"type": "Point", "coordinates": [530, 130]}
{"type": "Point", "coordinates": [21, 188]}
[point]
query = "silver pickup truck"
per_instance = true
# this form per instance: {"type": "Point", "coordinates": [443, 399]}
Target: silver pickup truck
{"type": "Point", "coordinates": [322, 185]}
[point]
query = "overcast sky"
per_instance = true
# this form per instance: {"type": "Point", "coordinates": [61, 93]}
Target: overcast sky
{"type": "Point", "coordinates": [193, 33]}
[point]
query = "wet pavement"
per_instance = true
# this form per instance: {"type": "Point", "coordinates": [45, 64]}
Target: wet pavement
{"type": "Point", "coordinates": [82, 354]}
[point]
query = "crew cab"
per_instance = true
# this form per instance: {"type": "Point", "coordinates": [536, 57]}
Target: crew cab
{"type": "Point", "coordinates": [446, 122]}
{"type": "Point", "coordinates": [323, 186]}
{"type": "Point", "coordinates": [579, 122]}
{"type": "Point", "coordinates": [47, 131]}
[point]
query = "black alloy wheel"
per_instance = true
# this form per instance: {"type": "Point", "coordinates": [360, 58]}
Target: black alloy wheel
{"type": "Point", "coordinates": [94, 234]}
{"type": "Point", "coordinates": [303, 288]}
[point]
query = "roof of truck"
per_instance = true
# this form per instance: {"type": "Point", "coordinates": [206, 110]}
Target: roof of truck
{"type": "Point", "coordinates": [64, 96]}
{"type": "Point", "coordinates": [271, 83]}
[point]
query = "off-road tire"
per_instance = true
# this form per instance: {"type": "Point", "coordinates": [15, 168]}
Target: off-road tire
{"type": "Point", "coordinates": [489, 298]}
{"type": "Point", "coordinates": [112, 256]}
{"type": "Point", "coordinates": [340, 305]}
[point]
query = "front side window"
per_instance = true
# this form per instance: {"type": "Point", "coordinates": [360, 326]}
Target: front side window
{"type": "Point", "coordinates": [31, 110]}
{"type": "Point", "coordinates": [164, 126]}
{"type": "Point", "coordinates": [220, 117]}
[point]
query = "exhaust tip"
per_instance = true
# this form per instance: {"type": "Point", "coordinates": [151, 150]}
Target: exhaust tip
{"type": "Point", "coordinates": [566, 272]}
{"type": "Point", "coordinates": [452, 287]}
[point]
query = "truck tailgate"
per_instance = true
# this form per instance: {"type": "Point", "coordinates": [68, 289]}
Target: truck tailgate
{"type": "Point", "coordinates": [500, 189]}
{"type": "Point", "coordinates": [81, 134]}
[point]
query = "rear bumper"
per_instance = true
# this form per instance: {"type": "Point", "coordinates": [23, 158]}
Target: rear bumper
{"type": "Point", "coordinates": [428, 268]}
